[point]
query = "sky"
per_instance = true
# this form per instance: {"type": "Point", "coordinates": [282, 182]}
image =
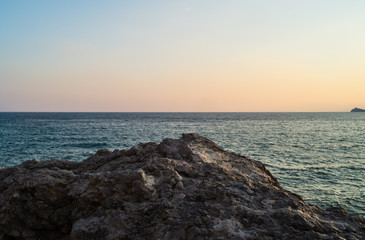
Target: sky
{"type": "Point", "coordinates": [182, 56]}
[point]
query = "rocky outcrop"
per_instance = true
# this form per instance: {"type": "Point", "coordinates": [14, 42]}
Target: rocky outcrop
{"type": "Point", "coordinates": [358, 110]}
{"type": "Point", "coordinates": [186, 188]}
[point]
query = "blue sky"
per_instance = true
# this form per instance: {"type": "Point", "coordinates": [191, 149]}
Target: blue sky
{"type": "Point", "coordinates": [134, 55]}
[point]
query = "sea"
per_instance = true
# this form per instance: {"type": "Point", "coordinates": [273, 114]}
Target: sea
{"type": "Point", "coordinates": [320, 156]}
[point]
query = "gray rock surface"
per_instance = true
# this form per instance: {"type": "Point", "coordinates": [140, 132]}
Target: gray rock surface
{"type": "Point", "coordinates": [186, 188]}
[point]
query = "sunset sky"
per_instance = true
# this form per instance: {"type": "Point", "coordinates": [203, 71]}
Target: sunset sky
{"type": "Point", "coordinates": [182, 56]}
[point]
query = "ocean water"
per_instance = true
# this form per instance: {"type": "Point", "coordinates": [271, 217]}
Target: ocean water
{"type": "Point", "coordinates": [320, 156]}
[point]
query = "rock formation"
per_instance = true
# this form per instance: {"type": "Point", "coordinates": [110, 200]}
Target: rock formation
{"type": "Point", "coordinates": [186, 188]}
{"type": "Point", "coordinates": [357, 110]}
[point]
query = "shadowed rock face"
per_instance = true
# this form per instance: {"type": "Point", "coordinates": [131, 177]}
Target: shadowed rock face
{"type": "Point", "coordinates": [186, 188]}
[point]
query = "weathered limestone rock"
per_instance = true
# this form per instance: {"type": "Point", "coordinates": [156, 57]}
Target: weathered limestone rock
{"type": "Point", "coordinates": [187, 188]}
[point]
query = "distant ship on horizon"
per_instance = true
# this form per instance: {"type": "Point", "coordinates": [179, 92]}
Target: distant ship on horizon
{"type": "Point", "coordinates": [357, 110]}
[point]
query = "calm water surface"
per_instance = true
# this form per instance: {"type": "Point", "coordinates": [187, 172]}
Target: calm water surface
{"type": "Point", "coordinates": [320, 156]}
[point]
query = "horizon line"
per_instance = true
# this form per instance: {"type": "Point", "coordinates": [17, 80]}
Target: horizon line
{"type": "Point", "coordinates": [173, 112]}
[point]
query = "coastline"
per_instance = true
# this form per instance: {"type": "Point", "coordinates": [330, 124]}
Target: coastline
{"type": "Point", "coordinates": [179, 187]}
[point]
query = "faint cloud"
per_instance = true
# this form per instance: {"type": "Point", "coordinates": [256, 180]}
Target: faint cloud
{"type": "Point", "coordinates": [188, 9]}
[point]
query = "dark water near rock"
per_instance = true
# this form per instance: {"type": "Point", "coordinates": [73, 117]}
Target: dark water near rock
{"type": "Point", "coordinates": [320, 156]}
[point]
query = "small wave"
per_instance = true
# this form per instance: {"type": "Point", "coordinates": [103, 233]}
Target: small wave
{"type": "Point", "coordinates": [321, 166]}
{"type": "Point", "coordinates": [87, 145]}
